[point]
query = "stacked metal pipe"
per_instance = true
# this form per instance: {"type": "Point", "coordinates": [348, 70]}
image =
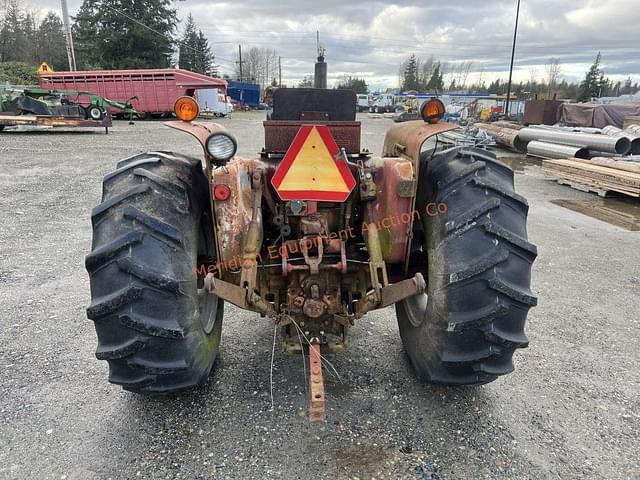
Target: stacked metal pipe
{"type": "Point", "coordinates": [633, 128]}
{"type": "Point", "coordinates": [554, 150]}
{"type": "Point", "coordinates": [601, 143]}
{"type": "Point", "coordinates": [563, 142]}
{"type": "Point", "coordinates": [634, 138]}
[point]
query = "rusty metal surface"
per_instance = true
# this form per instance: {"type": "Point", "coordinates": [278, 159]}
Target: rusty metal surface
{"type": "Point", "coordinates": [316, 384]}
{"type": "Point", "coordinates": [240, 297]}
{"type": "Point", "coordinates": [234, 215]}
{"type": "Point", "coordinates": [252, 240]}
{"type": "Point", "coordinates": [391, 209]}
{"type": "Point", "coordinates": [506, 136]}
{"type": "Point", "coordinates": [199, 130]}
{"type": "Point", "coordinates": [391, 294]}
{"type": "Point", "coordinates": [53, 121]}
{"type": "Point", "coordinates": [541, 112]}
{"type": "Point", "coordinates": [279, 134]}
{"type": "Point", "coordinates": [406, 139]}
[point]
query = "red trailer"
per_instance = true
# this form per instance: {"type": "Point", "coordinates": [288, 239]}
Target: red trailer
{"type": "Point", "coordinates": [156, 89]}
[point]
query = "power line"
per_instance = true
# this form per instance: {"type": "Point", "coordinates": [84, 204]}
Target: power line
{"type": "Point", "coordinates": [513, 54]}
{"type": "Point", "coordinates": [384, 41]}
{"type": "Point", "coordinates": [167, 37]}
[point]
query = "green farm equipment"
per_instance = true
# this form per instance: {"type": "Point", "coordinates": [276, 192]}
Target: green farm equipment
{"type": "Point", "coordinates": [59, 103]}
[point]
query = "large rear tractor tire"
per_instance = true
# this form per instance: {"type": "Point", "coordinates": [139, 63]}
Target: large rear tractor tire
{"type": "Point", "coordinates": [465, 330]}
{"type": "Point", "coordinates": [159, 332]}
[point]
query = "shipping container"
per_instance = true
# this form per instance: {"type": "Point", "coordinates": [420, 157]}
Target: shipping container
{"type": "Point", "coordinates": [245, 93]}
{"type": "Point", "coordinates": [156, 89]}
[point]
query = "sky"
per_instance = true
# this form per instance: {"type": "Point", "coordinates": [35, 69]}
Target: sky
{"type": "Point", "coordinates": [369, 39]}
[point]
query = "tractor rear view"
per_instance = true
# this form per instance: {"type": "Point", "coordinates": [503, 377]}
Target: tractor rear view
{"type": "Point", "coordinates": [311, 234]}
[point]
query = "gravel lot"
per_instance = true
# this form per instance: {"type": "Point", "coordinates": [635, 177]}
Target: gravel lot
{"type": "Point", "coordinates": [570, 410]}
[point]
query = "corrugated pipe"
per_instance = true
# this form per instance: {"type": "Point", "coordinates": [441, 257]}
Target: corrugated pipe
{"type": "Point", "coordinates": [555, 150]}
{"type": "Point", "coordinates": [602, 143]}
{"type": "Point", "coordinates": [634, 138]}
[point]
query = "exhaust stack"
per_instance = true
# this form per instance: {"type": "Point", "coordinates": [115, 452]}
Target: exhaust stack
{"type": "Point", "coordinates": [320, 74]}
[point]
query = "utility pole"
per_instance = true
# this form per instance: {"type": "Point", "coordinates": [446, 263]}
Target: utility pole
{"type": "Point", "coordinates": [279, 72]}
{"type": "Point", "coordinates": [240, 62]}
{"type": "Point", "coordinates": [513, 53]}
{"type": "Point", "coordinates": [71, 54]}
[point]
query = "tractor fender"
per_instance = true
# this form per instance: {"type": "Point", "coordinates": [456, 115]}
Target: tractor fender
{"type": "Point", "coordinates": [405, 140]}
{"type": "Point", "coordinates": [391, 209]}
{"type": "Point", "coordinates": [200, 131]}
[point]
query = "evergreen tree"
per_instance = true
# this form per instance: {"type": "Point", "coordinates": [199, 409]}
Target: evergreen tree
{"type": "Point", "coordinates": [50, 44]}
{"type": "Point", "coordinates": [86, 29]}
{"type": "Point", "coordinates": [307, 82]}
{"type": "Point", "coordinates": [188, 45]}
{"type": "Point", "coordinates": [28, 38]}
{"type": "Point", "coordinates": [410, 81]}
{"type": "Point", "coordinates": [205, 57]}
{"type": "Point", "coordinates": [195, 53]}
{"type": "Point", "coordinates": [118, 34]}
{"type": "Point", "coordinates": [495, 87]}
{"type": "Point", "coordinates": [356, 84]}
{"type": "Point", "coordinates": [593, 81]}
{"type": "Point", "coordinates": [12, 41]}
{"type": "Point", "coordinates": [436, 82]}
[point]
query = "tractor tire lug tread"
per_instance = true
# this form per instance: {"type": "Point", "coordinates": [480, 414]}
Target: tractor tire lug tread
{"type": "Point", "coordinates": [472, 321]}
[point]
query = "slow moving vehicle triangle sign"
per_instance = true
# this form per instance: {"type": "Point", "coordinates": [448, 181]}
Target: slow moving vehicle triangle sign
{"type": "Point", "coordinates": [313, 168]}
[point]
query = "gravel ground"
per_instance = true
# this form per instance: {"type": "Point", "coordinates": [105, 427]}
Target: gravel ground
{"type": "Point", "coordinates": [570, 410]}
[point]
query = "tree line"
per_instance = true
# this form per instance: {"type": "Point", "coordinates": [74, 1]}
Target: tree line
{"type": "Point", "coordinates": [28, 38]}
{"type": "Point", "coordinates": [430, 74]}
{"type": "Point", "coordinates": [107, 34]}
{"type": "Point", "coordinates": [259, 65]}
{"type": "Point", "coordinates": [112, 34]}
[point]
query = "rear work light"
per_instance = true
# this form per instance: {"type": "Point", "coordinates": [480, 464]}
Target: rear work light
{"type": "Point", "coordinates": [221, 147]}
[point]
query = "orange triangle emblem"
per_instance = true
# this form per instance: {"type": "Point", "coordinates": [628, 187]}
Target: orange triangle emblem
{"type": "Point", "coordinates": [313, 168]}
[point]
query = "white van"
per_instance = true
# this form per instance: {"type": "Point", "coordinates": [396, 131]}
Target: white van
{"type": "Point", "coordinates": [213, 102]}
{"type": "Point", "coordinates": [363, 103]}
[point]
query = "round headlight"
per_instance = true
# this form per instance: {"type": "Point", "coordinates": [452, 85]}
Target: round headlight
{"type": "Point", "coordinates": [221, 147]}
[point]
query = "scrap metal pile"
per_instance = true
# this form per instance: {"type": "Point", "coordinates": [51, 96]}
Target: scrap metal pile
{"type": "Point", "coordinates": [591, 159]}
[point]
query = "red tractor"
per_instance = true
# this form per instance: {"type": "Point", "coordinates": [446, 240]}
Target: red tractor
{"type": "Point", "coordinates": [312, 234]}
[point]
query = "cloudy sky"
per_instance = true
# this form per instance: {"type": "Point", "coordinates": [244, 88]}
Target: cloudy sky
{"type": "Point", "coordinates": [370, 39]}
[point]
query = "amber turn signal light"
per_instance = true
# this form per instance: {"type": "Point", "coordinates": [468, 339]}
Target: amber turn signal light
{"type": "Point", "coordinates": [432, 110]}
{"type": "Point", "coordinates": [186, 109]}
